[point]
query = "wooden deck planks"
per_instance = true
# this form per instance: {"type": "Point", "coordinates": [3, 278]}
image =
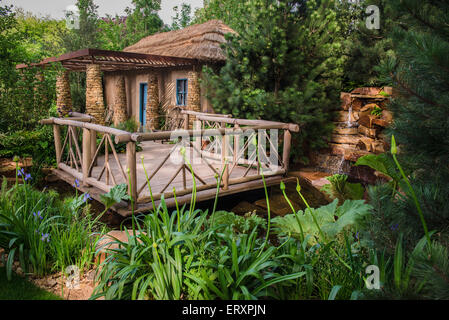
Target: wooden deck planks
{"type": "Point", "coordinates": [154, 153]}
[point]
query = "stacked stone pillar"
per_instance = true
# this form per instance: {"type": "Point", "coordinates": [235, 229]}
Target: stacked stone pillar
{"type": "Point", "coordinates": [152, 116]}
{"type": "Point", "coordinates": [193, 94]}
{"type": "Point", "coordinates": [120, 101]}
{"type": "Point", "coordinates": [63, 96]}
{"type": "Point", "coordinates": [94, 94]}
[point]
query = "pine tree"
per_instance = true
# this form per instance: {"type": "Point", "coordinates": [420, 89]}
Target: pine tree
{"type": "Point", "coordinates": [420, 73]}
{"type": "Point", "coordinates": [365, 48]}
{"type": "Point", "coordinates": [285, 65]}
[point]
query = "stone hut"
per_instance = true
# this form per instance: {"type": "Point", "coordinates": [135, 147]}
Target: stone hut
{"type": "Point", "coordinates": [146, 81]}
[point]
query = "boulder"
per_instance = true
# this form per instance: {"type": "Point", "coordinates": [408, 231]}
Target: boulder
{"type": "Point", "coordinates": [369, 132]}
{"type": "Point", "coordinates": [367, 91]}
{"type": "Point", "coordinates": [345, 139]}
{"type": "Point", "coordinates": [367, 120]}
{"type": "Point", "coordinates": [348, 131]}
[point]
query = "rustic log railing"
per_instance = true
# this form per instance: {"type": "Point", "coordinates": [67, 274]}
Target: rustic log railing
{"type": "Point", "coordinates": [221, 143]}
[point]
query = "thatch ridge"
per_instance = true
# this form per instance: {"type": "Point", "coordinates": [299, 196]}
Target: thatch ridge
{"type": "Point", "coordinates": [199, 41]}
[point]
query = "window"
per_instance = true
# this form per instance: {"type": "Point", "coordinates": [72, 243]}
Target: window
{"type": "Point", "coordinates": [181, 92]}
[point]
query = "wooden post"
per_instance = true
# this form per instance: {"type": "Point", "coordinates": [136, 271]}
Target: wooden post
{"type": "Point", "coordinates": [224, 158]}
{"type": "Point", "coordinates": [186, 121]}
{"type": "Point", "coordinates": [87, 156]}
{"type": "Point", "coordinates": [93, 143]}
{"type": "Point", "coordinates": [131, 164]}
{"type": "Point", "coordinates": [58, 146]}
{"type": "Point", "coordinates": [287, 147]}
{"type": "Point", "coordinates": [198, 140]}
{"type": "Point", "coordinates": [236, 144]}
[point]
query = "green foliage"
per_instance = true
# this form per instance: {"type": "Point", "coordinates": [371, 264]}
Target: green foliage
{"type": "Point", "coordinates": [421, 42]}
{"type": "Point", "coordinates": [19, 288]}
{"type": "Point", "coordinates": [382, 163]}
{"type": "Point", "coordinates": [377, 111]}
{"type": "Point", "coordinates": [182, 16]}
{"type": "Point", "coordinates": [365, 48]}
{"type": "Point", "coordinates": [43, 233]}
{"type": "Point", "coordinates": [240, 224]}
{"type": "Point", "coordinates": [284, 65]}
{"type": "Point", "coordinates": [339, 188]}
{"type": "Point", "coordinates": [169, 256]}
{"type": "Point", "coordinates": [116, 195]}
{"type": "Point", "coordinates": [141, 20]}
{"type": "Point", "coordinates": [332, 219]}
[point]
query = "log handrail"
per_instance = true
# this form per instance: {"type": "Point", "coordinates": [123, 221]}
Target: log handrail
{"type": "Point", "coordinates": [229, 154]}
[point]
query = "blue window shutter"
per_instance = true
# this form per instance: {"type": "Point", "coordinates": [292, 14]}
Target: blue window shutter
{"type": "Point", "coordinates": [181, 92]}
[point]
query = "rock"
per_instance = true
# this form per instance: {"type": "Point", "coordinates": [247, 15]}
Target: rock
{"type": "Point", "coordinates": [379, 146]}
{"type": "Point", "coordinates": [388, 90]}
{"type": "Point", "coordinates": [367, 91]}
{"type": "Point", "coordinates": [356, 104]}
{"type": "Point", "coordinates": [354, 155]}
{"type": "Point", "coordinates": [345, 100]}
{"type": "Point", "coordinates": [380, 122]}
{"type": "Point", "coordinates": [343, 116]}
{"type": "Point", "coordinates": [347, 131]}
{"type": "Point", "coordinates": [369, 132]}
{"type": "Point", "coordinates": [368, 108]}
{"type": "Point", "coordinates": [367, 121]}
{"type": "Point", "coordinates": [278, 205]}
{"type": "Point", "coordinates": [387, 116]}
{"type": "Point", "coordinates": [246, 207]}
{"type": "Point", "coordinates": [346, 139]}
{"type": "Point", "coordinates": [366, 143]}
{"type": "Point", "coordinates": [340, 149]}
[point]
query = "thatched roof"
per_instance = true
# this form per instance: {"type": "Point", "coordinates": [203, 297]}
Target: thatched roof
{"type": "Point", "coordinates": [199, 41]}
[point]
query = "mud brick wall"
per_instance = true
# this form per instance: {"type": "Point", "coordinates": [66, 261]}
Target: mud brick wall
{"type": "Point", "coordinates": [120, 114]}
{"type": "Point", "coordinates": [63, 96]}
{"type": "Point", "coordinates": [94, 94]}
{"type": "Point", "coordinates": [152, 113]}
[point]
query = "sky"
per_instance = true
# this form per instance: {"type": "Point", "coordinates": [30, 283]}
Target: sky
{"type": "Point", "coordinates": [55, 8]}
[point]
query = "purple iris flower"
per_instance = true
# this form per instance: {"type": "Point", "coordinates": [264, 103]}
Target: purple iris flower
{"type": "Point", "coordinates": [76, 184]}
{"type": "Point", "coordinates": [38, 215]}
{"type": "Point", "coordinates": [45, 237]}
{"type": "Point", "coordinates": [21, 172]}
{"type": "Point", "coordinates": [86, 197]}
{"type": "Point", "coordinates": [28, 177]}
{"type": "Point", "coordinates": [395, 227]}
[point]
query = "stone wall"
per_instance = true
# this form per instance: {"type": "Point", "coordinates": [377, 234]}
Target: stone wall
{"type": "Point", "coordinates": [120, 114]}
{"type": "Point", "coordinates": [63, 96]}
{"type": "Point", "coordinates": [152, 112]}
{"type": "Point", "coordinates": [94, 94]}
{"type": "Point", "coordinates": [358, 129]}
{"type": "Point", "coordinates": [193, 94]}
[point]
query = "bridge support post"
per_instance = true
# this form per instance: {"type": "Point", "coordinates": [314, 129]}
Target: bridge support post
{"type": "Point", "coordinates": [58, 146]}
{"type": "Point", "coordinates": [287, 148]}
{"type": "Point", "coordinates": [87, 157]}
{"type": "Point", "coordinates": [131, 164]}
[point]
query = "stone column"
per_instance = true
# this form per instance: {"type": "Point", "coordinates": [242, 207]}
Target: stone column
{"type": "Point", "coordinates": [94, 94]}
{"type": "Point", "coordinates": [193, 94]}
{"type": "Point", "coordinates": [153, 102]}
{"type": "Point", "coordinates": [63, 96]}
{"type": "Point", "coordinates": [120, 101]}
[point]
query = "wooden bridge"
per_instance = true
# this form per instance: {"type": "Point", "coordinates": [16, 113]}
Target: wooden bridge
{"type": "Point", "coordinates": [218, 149]}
